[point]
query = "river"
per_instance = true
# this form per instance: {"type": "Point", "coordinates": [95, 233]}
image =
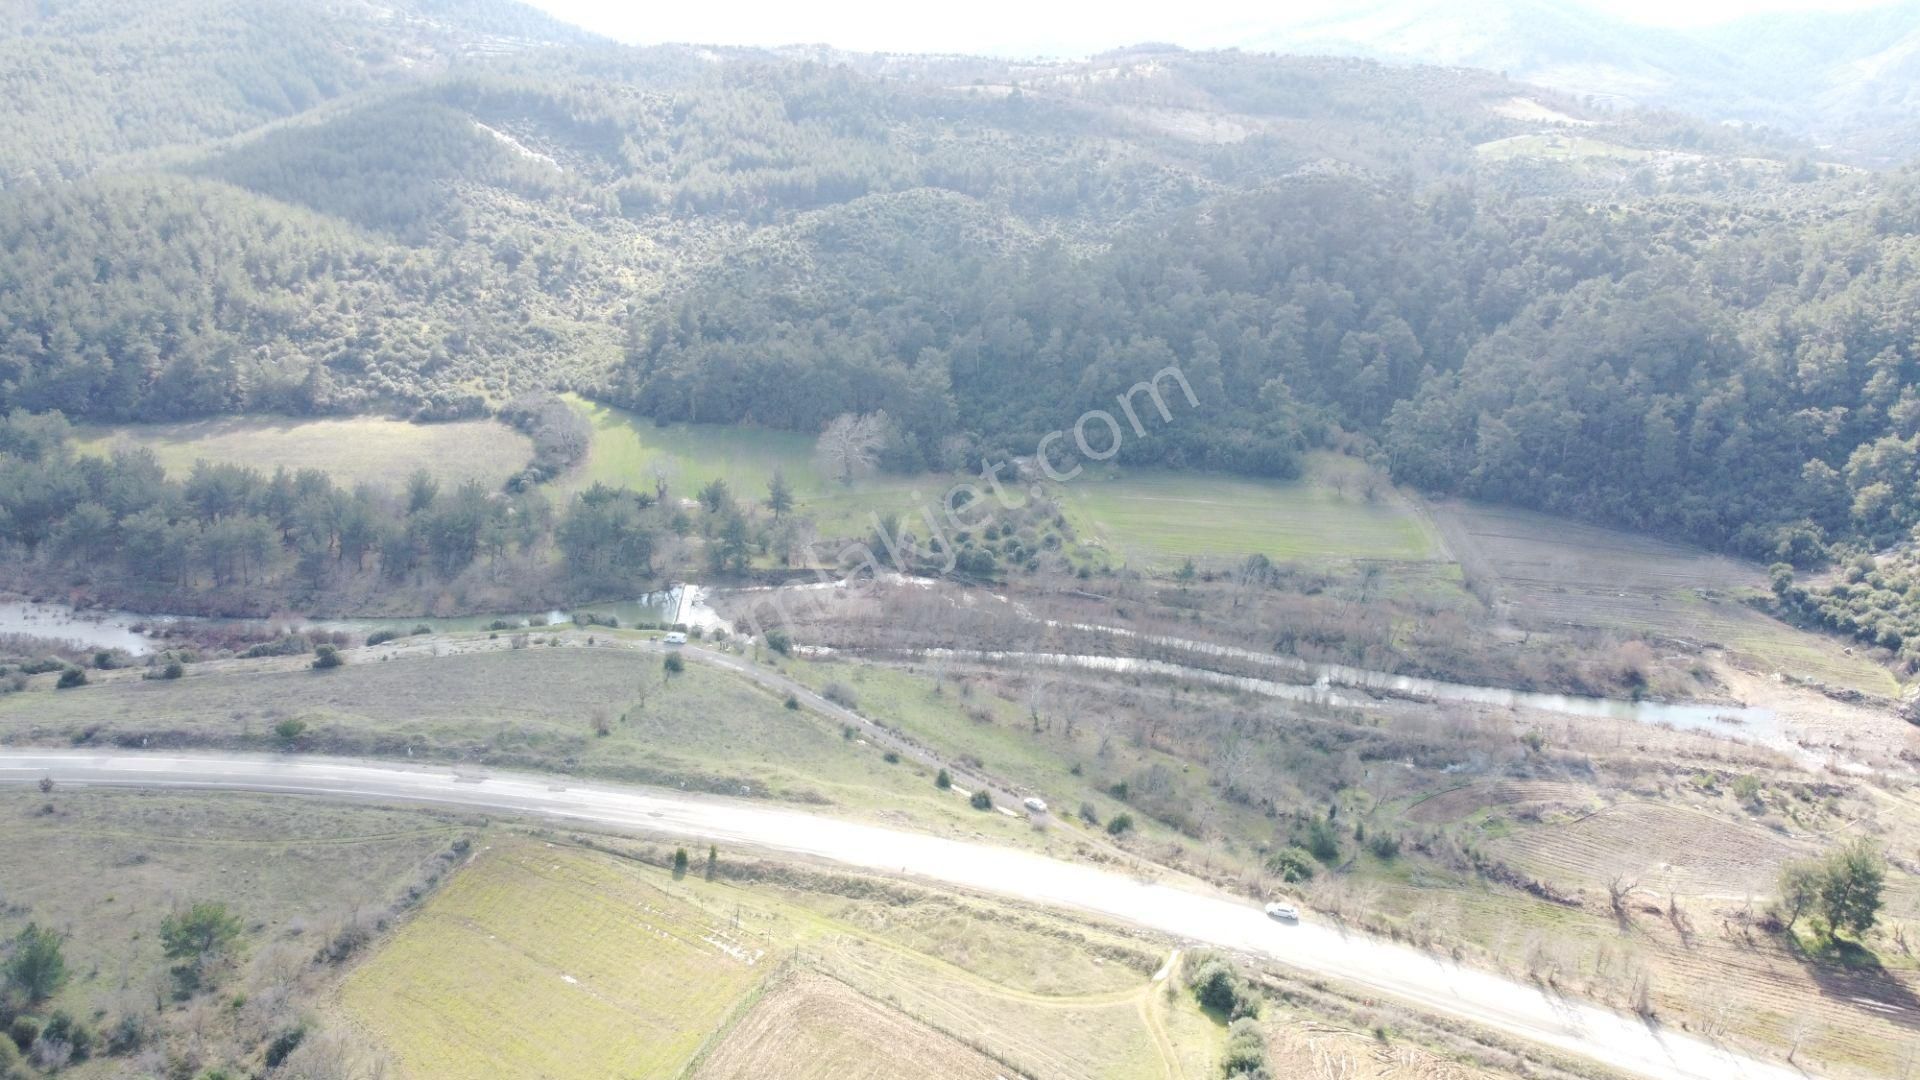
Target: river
{"type": "Point", "coordinates": [687, 604]}
{"type": "Point", "coordinates": [109, 629]}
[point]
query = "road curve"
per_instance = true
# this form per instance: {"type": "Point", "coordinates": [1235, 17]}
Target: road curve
{"type": "Point", "coordinates": [1425, 982]}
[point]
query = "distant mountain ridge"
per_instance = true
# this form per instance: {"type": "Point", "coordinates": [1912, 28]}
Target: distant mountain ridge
{"type": "Point", "coordinates": [1849, 79]}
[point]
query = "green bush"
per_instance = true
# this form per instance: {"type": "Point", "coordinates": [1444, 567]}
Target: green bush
{"type": "Point", "coordinates": [381, 637]}
{"type": "Point", "coordinates": [674, 664]}
{"type": "Point", "coordinates": [1222, 989]}
{"type": "Point", "coordinates": [942, 780]}
{"type": "Point", "coordinates": [36, 966]}
{"type": "Point", "coordinates": [284, 1044]}
{"type": "Point", "coordinates": [23, 1031]}
{"type": "Point", "coordinates": [1121, 823]}
{"type": "Point", "coordinates": [62, 1027]}
{"type": "Point", "coordinates": [1292, 865]}
{"type": "Point", "coordinates": [129, 1033]}
{"type": "Point", "coordinates": [779, 642]}
{"type": "Point", "coordinates": [327, 656]}
{"type": "Point", "coordinates": [71, 678]}
{"type": "Point", "coordinates": [1246, 1056]}
{"type": "Point", "coordinates": [1323, 841]}
{"type": "Point", "coordinates": [289, 729]}
{"type": "Point", "coordinates": [207, 927]}
{"type": "Point", "coordinates": [981, 800]}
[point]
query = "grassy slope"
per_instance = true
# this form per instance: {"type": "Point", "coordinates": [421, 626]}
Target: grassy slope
{"type": "Point", "coordinates": [1151, 516]}
{"type": "Point", "coordinates": [1158, 518]}
{"type": "Point", "coordinates": [104, 867]}
{"type": "Point", "coordinates": [533, 707]}
{"type": "Point", "coordinates": [483, 702]}
{"type": "Point", "coordinates": [628, 448]}
{"type": "Point", "coordinates": [354, 450]}
{"type": "Point", "coordinates": [1552, 572]}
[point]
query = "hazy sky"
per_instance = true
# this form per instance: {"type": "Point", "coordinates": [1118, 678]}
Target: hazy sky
{"type": "Point", "coordinates": [1014, 27]}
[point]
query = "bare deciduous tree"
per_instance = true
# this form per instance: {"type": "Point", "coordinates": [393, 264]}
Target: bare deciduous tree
{"type": "Point", "coordinates": [850, 445]}
{"type": "Point", "coordinates": [1618, 890]}
{"type": "Point", "coordinates": [1798, 1032]}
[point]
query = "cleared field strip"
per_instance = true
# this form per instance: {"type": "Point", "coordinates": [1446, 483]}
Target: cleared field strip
{"type": "Point", "coordinates": [1555, 572]}
{"type": "Point", "coordinates": [1100, 1037]}
{"type": "Point", "coordinates": [1698, 854]}
{"type": "Point", "coordinates": [810, 1027]}
{"type": "Point", "coordinates": [544, 962]}
{"type": "Point", "coordinates": [352, 450]}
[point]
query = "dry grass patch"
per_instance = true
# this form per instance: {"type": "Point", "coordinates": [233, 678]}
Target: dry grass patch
{"type": "Point", "coordinates": [1314, 1051]}
{"type": "Point", "coordinates": [1553, 572]}
{"type": "Point", "coordinates": [1664, 848]}
{"type": "Point", "coordinates": [1093, 1037]}
{"type": "Point", "coordinates": [352, 450]}
{"type": "Point", "coordinates": [810, 1027]}
{"type": "Point", "coordinates": [1462, 802]}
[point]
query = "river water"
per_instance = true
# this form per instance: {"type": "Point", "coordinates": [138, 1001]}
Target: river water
{"type": "Point", "coordinates": [1688, 716]}
{"type": "Point", "coordinates": [107, 629]}
{"type": "Point", "coordinates": [688, 604]}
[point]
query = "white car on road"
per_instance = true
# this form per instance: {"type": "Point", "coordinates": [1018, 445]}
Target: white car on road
{"type": "Point", "coordinates": [1038, 806]}
{"type": "Point", "coordinates": [1283, 912]}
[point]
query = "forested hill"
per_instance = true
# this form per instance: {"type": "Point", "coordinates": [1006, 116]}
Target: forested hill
{"type": "Point", "coordinates": [427, 208]}
{"type": "Point", "coordinates": [87, 80]}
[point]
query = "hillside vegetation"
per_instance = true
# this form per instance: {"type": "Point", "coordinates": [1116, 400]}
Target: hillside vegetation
{"type": "Point", "coordinates": [1662, 342]}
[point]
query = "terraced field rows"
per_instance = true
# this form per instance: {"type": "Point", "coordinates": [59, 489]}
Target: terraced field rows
{"type": "Point", "coordinates": [1664, 848]}
{"type": "Point", "coordinates": [537, 961]}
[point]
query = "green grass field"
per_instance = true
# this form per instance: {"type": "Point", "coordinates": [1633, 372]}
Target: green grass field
{"type": "Point", "coordinates": [1152, 517]}
{"type": "Point", "coordinates": [1161, 518]}
{"type": "Point", "coordinates": [353, 450]}
{"type": "Point", "coordinates": [628, 448]}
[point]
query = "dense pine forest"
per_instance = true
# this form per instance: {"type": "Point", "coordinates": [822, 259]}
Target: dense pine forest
{"type": "Point", "coordinates": [433, 209]}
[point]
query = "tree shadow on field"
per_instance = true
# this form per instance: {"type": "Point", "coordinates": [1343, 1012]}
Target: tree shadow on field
{"type": "Point", "coordinates": [1847, 971]}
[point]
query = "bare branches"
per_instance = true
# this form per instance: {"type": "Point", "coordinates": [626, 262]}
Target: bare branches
{"type": "Point", "coordinates": [850, 445]}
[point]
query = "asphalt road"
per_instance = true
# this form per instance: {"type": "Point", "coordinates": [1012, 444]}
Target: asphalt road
{"type": "Point", "coordinates": [1425, 982]}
